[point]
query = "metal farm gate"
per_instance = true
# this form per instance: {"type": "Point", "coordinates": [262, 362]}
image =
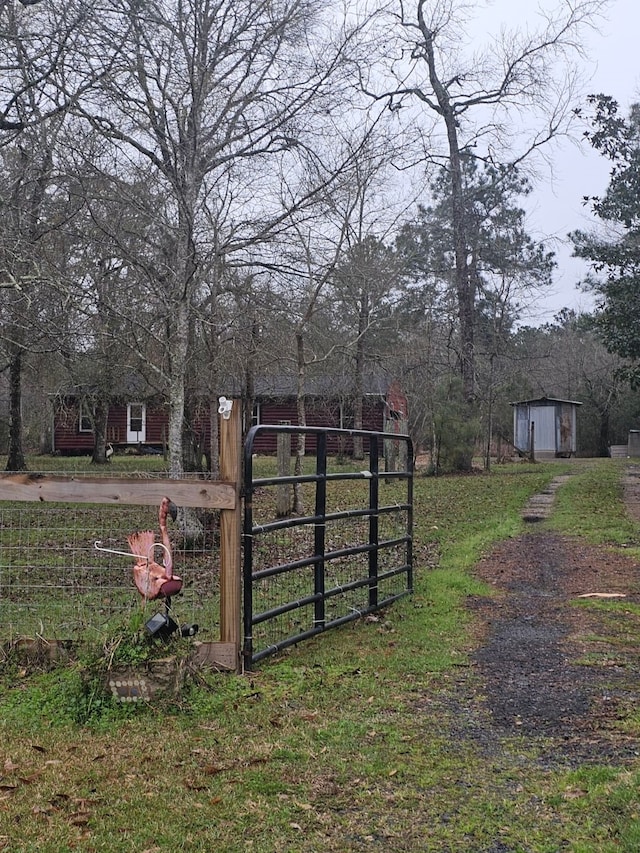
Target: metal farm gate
{"type": "Point", "coordinates": [285, 576]}
{"type": "Point", "coordinates": [349, 554]}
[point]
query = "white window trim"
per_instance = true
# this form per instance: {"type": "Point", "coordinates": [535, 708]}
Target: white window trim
{"type": "Point", "coordinates": [85, 415]}
{"type": "Point", "coordinates": [137, 437]}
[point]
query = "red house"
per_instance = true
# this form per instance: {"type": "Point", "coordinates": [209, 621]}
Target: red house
{"type": "Point", "coordinates": [137, 423]}
{"type": "Point", "coordinates": [143, 423]}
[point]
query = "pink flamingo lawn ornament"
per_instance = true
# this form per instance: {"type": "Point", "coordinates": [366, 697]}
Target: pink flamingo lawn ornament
{"type": "Point", "coordinates": [152, 579]}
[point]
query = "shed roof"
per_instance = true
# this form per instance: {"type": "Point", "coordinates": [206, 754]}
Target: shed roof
{"type": "Point", "coordinates": [545, 400]}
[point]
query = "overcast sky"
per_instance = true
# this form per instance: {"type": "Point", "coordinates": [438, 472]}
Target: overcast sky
{"type": "Point", "coordinates": [614, 69]}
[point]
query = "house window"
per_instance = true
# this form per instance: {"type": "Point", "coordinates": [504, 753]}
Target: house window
{"type": "Point", "coordinates": [346, 416]}
{"type": "Point", "coordinates": [255, 415]}
{"type": "Point", "coordinates": [86, 417]}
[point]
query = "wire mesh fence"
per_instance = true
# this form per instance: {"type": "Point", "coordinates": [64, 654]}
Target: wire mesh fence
{"type": "Point", "coordinates": [66, 572]}
{"type": "Point", "coordinates": [55, 582]}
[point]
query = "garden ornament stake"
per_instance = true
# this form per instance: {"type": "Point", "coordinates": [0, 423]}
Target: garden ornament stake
{"type": "Point", "coordinates": [152, 579]}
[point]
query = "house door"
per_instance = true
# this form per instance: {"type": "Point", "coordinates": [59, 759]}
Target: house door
{"type": "Point", "coordinates": [136, 423]}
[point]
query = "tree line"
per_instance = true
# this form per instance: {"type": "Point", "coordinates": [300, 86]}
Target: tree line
{"type": "Point", "coordinates": [200, 191]}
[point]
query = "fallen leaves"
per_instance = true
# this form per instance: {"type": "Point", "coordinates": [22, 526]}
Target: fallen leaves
{"type": "Point", "coordinates": [42, 805]}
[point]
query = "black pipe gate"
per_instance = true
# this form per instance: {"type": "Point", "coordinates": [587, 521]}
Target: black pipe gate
{"type": "Point", "coordinates": [351, 557]}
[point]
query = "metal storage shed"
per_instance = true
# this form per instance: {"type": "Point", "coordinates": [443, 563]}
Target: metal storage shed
{"type": "Point", "coordinates": [551, 423]}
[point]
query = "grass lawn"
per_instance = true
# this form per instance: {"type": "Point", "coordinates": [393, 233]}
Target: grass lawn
{"type": "Point", "coordinates": [346, 743]}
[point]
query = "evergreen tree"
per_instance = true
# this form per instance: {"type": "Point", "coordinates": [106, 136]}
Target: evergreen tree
{"type": "Point", "coordinates": [504, 265]}
{"type": "Point", "coordinates": [614, 251]}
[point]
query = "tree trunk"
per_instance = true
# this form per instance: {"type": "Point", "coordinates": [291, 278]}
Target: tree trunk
{"type": "Point", "coordinates": [465, 290]}
{"type": "Point", "coordinates": [214, 443]}
{"type": "Point", "coordinates": [604, 438]}
{"type": "Point", "coordinates": [15, 460]}
{"type": "Point", "coordinates": [464, 284]}
{"type": "Point", "coordinates": [101, 414]}
{"type": "Point", "coordinates": [358, 386]}
{"type": "Point", "coordinates": [487, 460]}
{"type": "Point", "coordinates": [179, 350]}
{"type": "Point", "coordinates": [249, 378]}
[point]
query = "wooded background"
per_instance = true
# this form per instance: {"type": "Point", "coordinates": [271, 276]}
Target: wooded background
{"type": "Point", "coordinates": [200, 191]}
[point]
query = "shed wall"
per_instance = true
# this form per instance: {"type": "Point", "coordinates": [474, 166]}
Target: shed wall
{"type": "Point", "coordinates": [554, 427]}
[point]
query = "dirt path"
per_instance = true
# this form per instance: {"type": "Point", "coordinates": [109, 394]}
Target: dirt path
{"type": "Point", "coordinates": [549, 666]}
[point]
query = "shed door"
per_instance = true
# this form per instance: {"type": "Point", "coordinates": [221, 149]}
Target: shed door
{"type": "Point", "coordinates": [544, 418]}
{"type": "Point", "coordinates": [522, 434]}
{"type": "Point", "coordinates": [136, 423]}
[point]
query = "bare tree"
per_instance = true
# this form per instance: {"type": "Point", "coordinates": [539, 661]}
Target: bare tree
{"type": "Point", "coordinates": [27, 230]}
{"type": "Point", "coordinates": [47, 61]}
{"type": "Point", "coordinates": [202, 96]}
{"type": "Point", "coordinates": [309, 279]}
{"type": "Point", "coordinates": [367, 280]}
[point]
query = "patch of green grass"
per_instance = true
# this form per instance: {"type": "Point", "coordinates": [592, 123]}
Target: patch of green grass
{"type": "Point", "coordinates": [590, 505]}
{"type": "Point", "coordinates": [603, 800]}
{"type": "Point", "coordinates": [121, 464]}
{"type": "Point", "coordinates": [350, 742]}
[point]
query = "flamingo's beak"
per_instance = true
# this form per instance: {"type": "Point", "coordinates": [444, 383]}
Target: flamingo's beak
{"type": "Point", "coordinates": [173, 510]}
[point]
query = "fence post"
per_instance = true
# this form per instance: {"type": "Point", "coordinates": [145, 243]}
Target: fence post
{"type": "Point", "coordinates": [230, 526]}
{"type": "Point", "coordinates": [374, 502]}
{"type": "Point", "coordinates": [320, 531]}
{"type": "Point", "coordinates": [532, 441]}
{"type": "Point", "coordinates": [283, 499]}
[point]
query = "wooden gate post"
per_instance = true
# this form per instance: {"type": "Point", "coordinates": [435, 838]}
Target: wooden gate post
{"type": "Point", "coordinates": [230, 527]}
{"type": "Point", "coordinates": [283, 499]}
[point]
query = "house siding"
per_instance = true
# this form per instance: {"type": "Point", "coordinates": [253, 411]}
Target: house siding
{"type": "Point", "coordinates": [323, 413]}
{"type": "Point", "coordinates": [67, 438]}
